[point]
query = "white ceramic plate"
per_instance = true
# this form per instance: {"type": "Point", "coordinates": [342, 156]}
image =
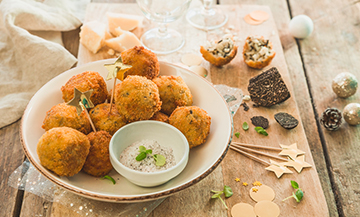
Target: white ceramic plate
{"type": "Point", "coordinates": [202, 161]}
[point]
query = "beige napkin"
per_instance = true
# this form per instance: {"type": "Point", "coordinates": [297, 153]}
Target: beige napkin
{"type": "Point", "coordinates": [31, 51]}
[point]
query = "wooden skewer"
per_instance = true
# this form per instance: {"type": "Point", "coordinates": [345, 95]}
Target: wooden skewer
{"type": "Point", "coordinates": [112, 95]}
{"type": "Point", "coordinates": [92, 124]}
{"type": "Point", "coordinates": [250, 156]}
{"type": "Point", "coordinates": [258, 152]}
{"type": "Point", "coordinates": [257, 146]}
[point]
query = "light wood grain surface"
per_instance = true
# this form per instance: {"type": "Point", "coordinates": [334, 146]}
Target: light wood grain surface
{"type": "Point", "coordinates": [311, 64]}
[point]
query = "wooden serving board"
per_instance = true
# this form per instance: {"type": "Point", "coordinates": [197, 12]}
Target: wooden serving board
{"type": "Point", "coordinates": [236, 74]}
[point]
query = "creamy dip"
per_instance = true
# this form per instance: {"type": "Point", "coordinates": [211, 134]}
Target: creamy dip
{"type": "Point", "coordinates": [127, 157]}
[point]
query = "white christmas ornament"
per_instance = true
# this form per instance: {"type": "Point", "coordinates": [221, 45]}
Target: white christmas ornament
{"type": "Point", "coordinates": [301, 26]}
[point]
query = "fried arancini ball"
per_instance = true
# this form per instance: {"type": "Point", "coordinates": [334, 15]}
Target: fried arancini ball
{"type": "Point", "coordinates": [63, 150]}
{"type": "Point", "coordinates": [84, 82]}
{"type": "Point", "coordinates": [63, 115]}
{"type": "Point", "coordinates": [221, 52]}
{"type": "Point", "coordinates": [103, 120]}
{"type": "Point", "coordinates": [173, 93]}
{"type": "Point", "coordinates": [137, 98]}
{"type": "Point", "coordinates": [159, 116]}
{"type": "Point", "coordinates": [258, 52]}
{"type": "Point", "coordinates": [143, 62]}
{"type": "Point", "coordinates": [193, 122]}
{"type": "Point", "coordinates": [98, 160]}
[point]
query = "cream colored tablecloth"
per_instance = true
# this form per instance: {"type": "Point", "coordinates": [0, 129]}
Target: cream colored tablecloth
{"type": "Point", "coordinates": [31, 51]}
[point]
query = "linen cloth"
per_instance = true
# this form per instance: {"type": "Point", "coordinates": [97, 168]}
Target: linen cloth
{"type": "Point", "coordinates": [31, 51]}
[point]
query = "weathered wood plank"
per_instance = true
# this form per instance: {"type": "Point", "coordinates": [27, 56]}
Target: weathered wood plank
{"type": "Point", "coordinates": [11, 157]}
{"type": "Point", "coordinates": [237, 74]}
{"type": "Point", "coordinates": [293, 59]}
{"type": "Point", "coordinates": [331, 49]}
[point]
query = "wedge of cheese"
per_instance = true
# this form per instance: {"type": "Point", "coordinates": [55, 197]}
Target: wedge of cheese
{"type": "Point", "coordinates": [119, 31]}
{"type": "Point", "coordinates": [125, 21]}
{"type": "Point", "coordinates": [92, 35]}
{"type": "Point", "coordinates": [125, 41]}
{"type": "Point", "coordinates": [108, 35]}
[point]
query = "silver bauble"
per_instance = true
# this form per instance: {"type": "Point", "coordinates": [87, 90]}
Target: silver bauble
{"type": "Point", "coordinates": [345, 84]}
{"type": "Point", "coordinates": [351, 113]}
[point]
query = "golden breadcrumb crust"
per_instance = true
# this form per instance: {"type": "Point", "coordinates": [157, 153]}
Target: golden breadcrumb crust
{"type": "Point", "coordinates": [63, 115]}
{"type": "Point", "coordinates": [173, 93]}
{"type": "Point", "coordinates": [63, 150]}
{"type": "Point", "coordinates": [193, 122]}
{"type": "Point", "coordinates": [137, 98]}
{"type": "Point", "coordinates": [84, 82]}
{"type": "Point", "coordinates": [98, 160]}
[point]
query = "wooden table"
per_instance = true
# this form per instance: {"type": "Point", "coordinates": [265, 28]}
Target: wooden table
{"type": "Point", "coordinates": [312, 64]}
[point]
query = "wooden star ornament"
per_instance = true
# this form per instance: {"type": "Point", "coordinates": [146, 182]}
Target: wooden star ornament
{"type": "Point", "coordinates": [291, 150]}
{"type": "Point", "coordinates": [82, 102]}
{"type": "Point", "coordinates": [298, 163]}
{"type": "Point", "coordinates": [117, 69]}
{"type": "Point", "coordinates": [278, 168]}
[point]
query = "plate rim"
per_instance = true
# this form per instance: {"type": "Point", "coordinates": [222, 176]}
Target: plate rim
{"type": "Point", "coordinates": [126, 199]}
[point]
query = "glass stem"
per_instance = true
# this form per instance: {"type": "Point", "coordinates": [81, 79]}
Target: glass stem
{"type": "Point", "coordinates": [208, 4]}
{"type": "Point", "coordinates": [162, 29]}
{"type": "Point", "coordinates": [207, 9]}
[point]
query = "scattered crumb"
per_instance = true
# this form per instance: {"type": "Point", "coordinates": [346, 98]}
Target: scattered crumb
{"type": "Point", "coordinates": [246, 98]}
{"type": "Point", "coordinates": [246, 107]}
{"type": "Point", "coordinates": [111, 52]}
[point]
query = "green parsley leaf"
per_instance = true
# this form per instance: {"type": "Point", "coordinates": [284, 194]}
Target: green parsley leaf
{"type": "Point", "coordinates": [299, 194]}
{"type": "Point", "coordinates": [237, 134]}
{"type": "Point", "coordinates": [142, 148]}
{"type": "Point", "coordinates": [159, 160]}
{"type": "Point", "coordinates": [149, 151]}
{"type": "Point", "coordinates": [228, 191]}
{"type": "Point", "coordinates": [245, 126]}
{"type": "Point", "coordinates": [261, 130]}
{"type": "Point", "coordinates": [141, 156]}
{"type": "Point", "coordinates": [216, 196]}
{"type": "Point", "coordinates": [294, 184]}
{"type": "Point", "coordinates": [109, 178]}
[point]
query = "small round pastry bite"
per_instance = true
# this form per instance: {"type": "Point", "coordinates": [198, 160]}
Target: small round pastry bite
{"type": "Point", "coordinates": [159, 116]}
{"type": "Point", "coordinates": [258, 52]}
{"type": "Point", "coordinates": [221, 52]}
{"type": "Point", "coordinates": [143, 62]}
{"type": "Point", "coordinates": [103, 120]}
{"type": "Point", "coordinates": [63, 150]}
{"type": "Point", "coordinates": [84, 82]}
{"type": "Point", "coordinates": [173, 93]}
{"type": "Point", "coordinates": [63, 115]}
{"type": "Point", "coordinates": [98, 160]}
{"type": "Point", "coordinates": [137, 98]}
{"type": "Point", "coordinates": [193, 122]}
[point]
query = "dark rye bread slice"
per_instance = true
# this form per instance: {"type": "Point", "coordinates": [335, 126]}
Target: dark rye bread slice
{"type": "Point", "coordinates": [268, 88]}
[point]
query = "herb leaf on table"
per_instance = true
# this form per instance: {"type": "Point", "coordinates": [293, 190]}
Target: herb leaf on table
{"type": "Point", "coordinates": [261, 130]}
{"type": "Point", "coordinates": [298, 195]}
{"type": "Point", "coordinates": [227, 191]}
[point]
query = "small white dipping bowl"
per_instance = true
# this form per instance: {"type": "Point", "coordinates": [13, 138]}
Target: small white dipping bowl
{"type": "Point", "coordinates": [165, 134]}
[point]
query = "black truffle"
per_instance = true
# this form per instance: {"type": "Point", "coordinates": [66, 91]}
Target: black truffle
{"type": "Point", "coordinates": [268, 88]}
{"type": "Point", "coordinates": [260, 121]}
{"type": "Point", "coordinates": [286, 120]}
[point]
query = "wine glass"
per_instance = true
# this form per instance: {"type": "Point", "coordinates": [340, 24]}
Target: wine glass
{"type": "Point", "coordinates": [162, 40]}
{"type": "Point", "coordinates": [207, 17]}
